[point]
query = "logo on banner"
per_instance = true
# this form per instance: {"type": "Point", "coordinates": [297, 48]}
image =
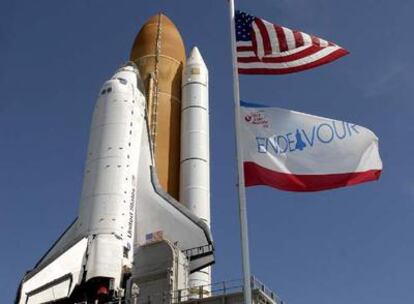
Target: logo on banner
{"type": "Point", "coordinates": [301, 139]}
{"type": "Point", "coordinates": [257, 118]}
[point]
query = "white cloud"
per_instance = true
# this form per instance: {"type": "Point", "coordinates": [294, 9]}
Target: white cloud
{"type": "Point", "coordinates": [384, 80]}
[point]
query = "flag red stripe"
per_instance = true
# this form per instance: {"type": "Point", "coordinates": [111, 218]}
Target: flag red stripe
{"type": "Point", "coordinates": [245, 49]}
{"type": "Point", "coordinates": [258, 175]}
{"type": "Point", "coordinates": [254, 42]}
{"type": "Point", "coordinates": [265, 36]}
{"type": "Point", "coordinates": [281, 37]}
{"type": "Point", "coordinates": [273, 71]}
{"type": "Point", "coordinates": [315, 41]}
{"type": "Point", "coordinates": [298, 39]}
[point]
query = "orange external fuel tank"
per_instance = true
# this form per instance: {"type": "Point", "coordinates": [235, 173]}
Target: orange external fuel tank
{"type": "Point", "coordinates": [159, 53]}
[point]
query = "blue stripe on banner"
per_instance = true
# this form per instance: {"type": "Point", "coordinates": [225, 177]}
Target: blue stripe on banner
{"type": "Point", "coordinates": [252, 105]}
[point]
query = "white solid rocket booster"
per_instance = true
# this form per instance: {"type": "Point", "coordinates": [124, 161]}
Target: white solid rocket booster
{"type": "Point", "coordinates": [195, 155]}
{"type": "Point", "coordinates": [108, 200]}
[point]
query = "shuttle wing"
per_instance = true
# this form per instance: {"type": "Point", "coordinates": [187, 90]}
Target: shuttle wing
{"type": "Point", "coordinates": [158, 211]}
{"type": "Point", "coordinates": [67, 239]}
{"type": "Point", "coordinates": [54, 279]}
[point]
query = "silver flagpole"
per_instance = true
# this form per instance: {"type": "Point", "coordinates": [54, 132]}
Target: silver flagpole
{"type": "Point", "coordinates": [244, 237]}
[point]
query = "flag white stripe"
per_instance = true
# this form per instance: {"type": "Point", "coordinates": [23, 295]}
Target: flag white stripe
{"type": "Point", "coordinates": [259, 41]}
{"type": "Point", "coordinates": [274, 42]}
{"type": "Point", "coordinates": [323, 42]}
{"type": "Point", "coordinates": [244, 43]}
{"type": "Point", "coordinates": [290, 39]}
{"type": "Point", "coordinates": [307, 40]}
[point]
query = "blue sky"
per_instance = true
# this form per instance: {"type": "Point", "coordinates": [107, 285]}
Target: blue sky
{"type": "Point", "coordinates": [351, 245]}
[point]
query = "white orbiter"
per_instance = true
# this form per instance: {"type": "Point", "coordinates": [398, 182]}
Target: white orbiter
{"type": "Point", "coordinates": [122, 202]}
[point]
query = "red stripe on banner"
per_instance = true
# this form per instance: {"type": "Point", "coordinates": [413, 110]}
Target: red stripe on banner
{"type": "Point", "coordinates": [298, 39]}
{"type": "Point", "coordinates": [281, 37]}
{"type": "Point", "coordinates": [257, 175]}
{"type": "Point", "coordinates": [267, 47]}
{"type": "Point", "coordinates": [270, 71]}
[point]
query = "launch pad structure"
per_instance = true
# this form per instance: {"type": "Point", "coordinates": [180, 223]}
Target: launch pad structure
{"type": "Point", "coordinates": [229, 292]}
{"type": "Point", "coordinates": [143, 230]}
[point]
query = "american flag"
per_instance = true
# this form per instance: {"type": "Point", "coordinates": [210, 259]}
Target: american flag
{"type": "Point", "coordinates": [266, 48]}
{"type": "Point", "coordinates": [154, 236]}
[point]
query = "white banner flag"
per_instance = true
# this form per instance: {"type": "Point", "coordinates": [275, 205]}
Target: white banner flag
{"type": "Point", "coordinates": [295, 151]}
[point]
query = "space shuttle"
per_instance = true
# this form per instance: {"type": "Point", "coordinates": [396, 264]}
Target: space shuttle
{"type": "Point", "coordinates": [146, 176]}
